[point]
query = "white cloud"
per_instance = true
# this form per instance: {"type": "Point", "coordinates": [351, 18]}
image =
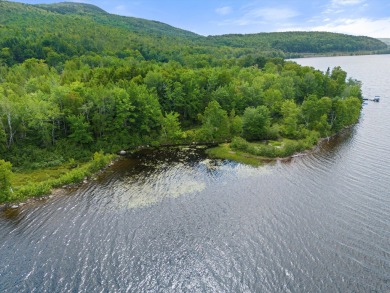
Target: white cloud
{"type": "Point", "coordinates": [362, 26]}
{"type": "Point", "coordinates": [251, 15]}
{"type": "Point", "coordinates": [272, 14]}
{"type": "Point", "coordinates": [339, 6]}
{"type": "Point", "coordinates": [346, 2]}
{"type": "Point", "coordinates": [224, 10]}
{"type": "Point", "coordinates": [376, 28]}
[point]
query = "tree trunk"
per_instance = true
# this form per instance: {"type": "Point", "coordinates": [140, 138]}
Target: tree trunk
{"type": "Point", "coordinates": [11, 133]}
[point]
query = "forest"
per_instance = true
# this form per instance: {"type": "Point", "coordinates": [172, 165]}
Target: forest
{"type": "Point", "coordinates": [80, 83]}
{"type": "Point", "coordinates": [303, 42]}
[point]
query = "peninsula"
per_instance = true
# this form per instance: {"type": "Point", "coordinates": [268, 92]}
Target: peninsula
{"type": "Point", "coordinates": [77, 83]}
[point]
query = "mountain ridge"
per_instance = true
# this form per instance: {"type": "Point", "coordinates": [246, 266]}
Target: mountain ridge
{"type": "Point", "coordinates": [72, 7]}
{"type": "Point", "coordinates": [69, 29]}
{"type": "Point", "coordinates": [128, 22]}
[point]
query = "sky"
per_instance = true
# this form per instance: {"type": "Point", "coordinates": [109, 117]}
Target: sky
{"type": "Point", "coordinates": [216, 17]}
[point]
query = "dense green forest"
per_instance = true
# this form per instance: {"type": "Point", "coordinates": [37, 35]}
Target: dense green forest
{"type": "Point", "coordinates": [76, 81]}
{"type": "Point", "coordinates": [302, 42]}
{"type": "Point", "coordinates": [58, 32]}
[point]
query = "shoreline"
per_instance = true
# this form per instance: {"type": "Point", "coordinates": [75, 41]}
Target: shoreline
{"type": "Point", "coordinates": [246, 158]}
{"type": "Point", "coordinates": [341, 54]}
{"type": "Point", "coordinates": [57, 191]}
{"type": "Point", "coordinates": [63, 190]}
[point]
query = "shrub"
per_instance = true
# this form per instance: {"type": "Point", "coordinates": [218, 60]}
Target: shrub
{"type": "Point", "coordinates": [267, 151]}
{"type": "Point", "coordinates": [290, 147]}
{"type": "Point", "coordinates": [311, 139]}
{"type": "Point", "coordinates": [239, 143]}
{"type": "Point", "coordinates": [273, 132]}
{"type": "Point", "coordinates": [34, 190]}
{"type": "Point", "coordinates": [99, 161]}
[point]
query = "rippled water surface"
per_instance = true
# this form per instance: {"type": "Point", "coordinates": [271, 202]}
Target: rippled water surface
{"type": "Point", "coordinates": [174, 221]}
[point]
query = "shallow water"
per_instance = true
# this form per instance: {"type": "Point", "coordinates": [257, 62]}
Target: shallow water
{"type": "Point", "coordinates": [174, 221]}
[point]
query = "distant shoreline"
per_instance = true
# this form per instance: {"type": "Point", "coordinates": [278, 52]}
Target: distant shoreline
{"type": "Point", "coordinates": [336, 54]}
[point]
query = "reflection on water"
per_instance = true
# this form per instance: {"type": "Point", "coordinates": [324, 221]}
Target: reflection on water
{"type": "Point", "coordinates": [151, 176]}
{"type": "Point", "coordinates": [172, 220]}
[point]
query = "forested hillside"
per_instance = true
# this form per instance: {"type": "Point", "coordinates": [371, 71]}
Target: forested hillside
{"type": "Point", "coordinates": [57, 32]}
{"type": "Point", "coordinates": [386, 41]}
{"type": "Point", "coordinates": [302, 42]}
{"type": "Point", "coordinates": [75, 80]}
{"type": "Point", "coordinates": [131, 24]}
{"type": "Point", "coordinates": [28, 31]}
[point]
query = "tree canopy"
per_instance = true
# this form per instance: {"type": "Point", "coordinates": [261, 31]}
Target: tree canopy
{"type": "Point", "coordinates": [75, 80]}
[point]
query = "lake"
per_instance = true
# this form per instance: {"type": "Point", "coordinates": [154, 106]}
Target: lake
{"type": "Point", "coordinates": [174, 221]}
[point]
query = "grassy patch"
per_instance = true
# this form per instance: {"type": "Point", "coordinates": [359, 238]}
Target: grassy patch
{"type": "Point", "coordinates": [275, 143]}
{"type": "Point", "coordinates": [280, 149]}
{"type": "Point", "coordinates": [35, 176]}
{"type": "Point", "coordinates": [40, 182]}
{"type": "Point", "coordinates": [224, 151]}
{"type": "Point", "coordinates": [256, 153]}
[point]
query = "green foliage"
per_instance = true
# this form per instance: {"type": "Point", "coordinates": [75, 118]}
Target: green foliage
{"type": "Point", "coordinates": [75, 80]}
{"type": "Point", "coordinates": [315, 113]}
{"type": "Point", "coordinates": [223, 151]}
{"type": "Point", "coordinates": [46, 121]}
{"type": "Point", "coordinates": [345, 112]}
{"type": "Point", "coordinates": [79, 130]}
{"type": "Point", "coordinates": [301, 42]}
{"type": "Point", "coordinates": [235, 125]}
{"type": "Point", "coordinates": [171, 129]}
{"type": "Point", "coordinates": [284, 149]}
{"type": "Point", "coordinates": [3, 138]}
{"type": "Point", "coordinates": [240, 143]}
{"type": "Point", "coordinates": [100, 160]}
{"type": "Point", "coordinates": [339, 76]}
{"type": "Point", "coordinates": [354, 105]}
{"type": "Point", "coordinates": [6, 174]}
{"type": "Point", "coordinates": [273, 99]}
{"type": "Point", "coordinates": [290, 112]}
{"type": "Point", "coordinates": [73, 8]}
{"type": "Point", "coordinates": [256, 123]}
{"type": "Point", "coordinates": [33, 190]}
{"type": "Point", "coordinates": [274, 132]}
{"type": "Point", "coordinates": [353, 89]}
{"type": "Point", "coordinates": [61, 31]}
{"type": "Point", "coordinates": [215, 122]}
{"type": "Point", "coordinates": [39, 183]}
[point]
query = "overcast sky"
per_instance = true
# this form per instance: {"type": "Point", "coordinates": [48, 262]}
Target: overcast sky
{"type": "Point", "coordinates": [215, 17]}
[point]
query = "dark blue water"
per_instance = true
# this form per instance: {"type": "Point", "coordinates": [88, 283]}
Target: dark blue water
{"type": "Point", "coordinates": [174, 221]}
